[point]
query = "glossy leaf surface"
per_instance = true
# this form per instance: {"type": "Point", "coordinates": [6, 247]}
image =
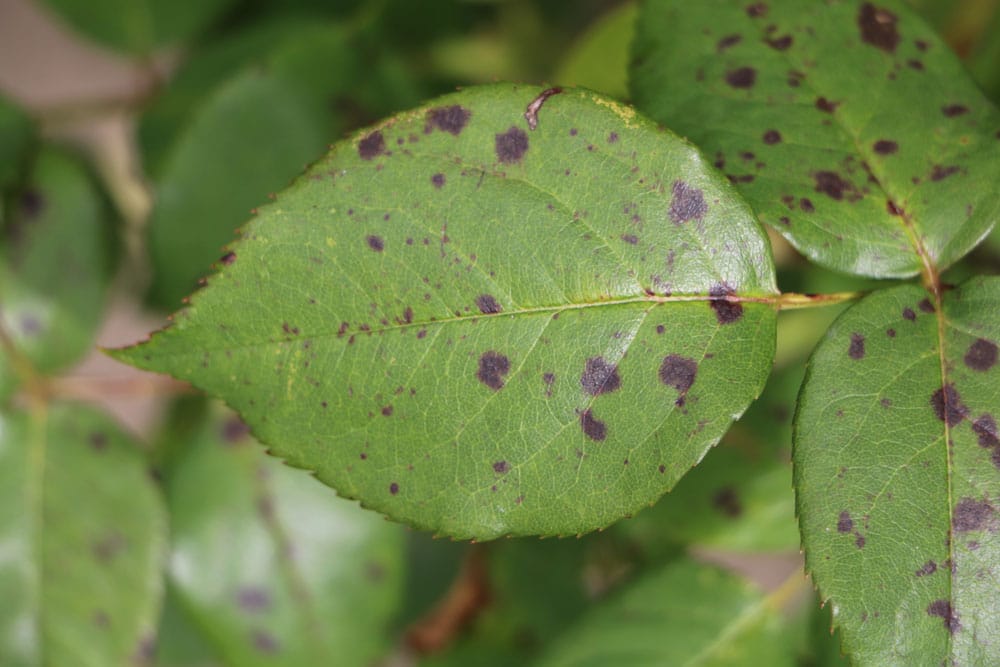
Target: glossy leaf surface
{"type": "Point", "coordinates": [896, 471]}
{"type": "Point", "coordinates": [487, 329]}
{"type": "Point", "coordinates": [55, 264]}
{"type": "Point", "coordinates": [685, 614]}
{"type": "Point", "coordinates": [271, 566]}
{"type": "Point", "coordinates": [82, 542]}
{"type": "Point", "coordinates": [850, 127]}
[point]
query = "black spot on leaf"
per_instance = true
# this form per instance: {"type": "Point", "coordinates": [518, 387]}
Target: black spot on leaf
{"type": "Point", "coordinates": [926, 306]}
{"type": "Point", "coordinates": [511, 145]}
{"type": "Point", "coordinates": [909, 315]}
{"type": "Point", "coordinates": [757, 10]}
{"type": "Point", "coordinates": [599, 377]}
{"type": "Point", "coordinates": [834, 186]}
{"type": "Point", "coordinates": [942, 608]}
{"type": "Point", "coordinates": [631, 239]}
{"type": "Point", "coordinates": [387, 411]}
{"type": "Point", "coordinates": [688, 203]}
{"type": "Point", "coordinates": [971, 514]}
{"type": "Point", "coordinates": [726, 501]}
{"type": "Point", "coordinates": [772, 137]}
{"type": "Point", "coordinates": [726, 311]}
{"type": "Point", "coordinates": [493, 366]}
{"type": "Point", "coordinates": [857, 349]}
{"type": "Point", "coordinates": [806, 205]}
{"type": "Point", "coordinates": [940, 172]}
{"type": "Point", "coordinates": [981, 355]}
{"type": "Point", "coordinates": [375, 243]}
{"type": "Point", "coordinates": [593, 428]}
{"type": "Point", "coordinates": [948, 405]}
{"type": "Point", "coordinates": [371, 145]}
{"type": "Point", "coordinates": [780, 43]}
{"type": "Point", "coordinates": [451, 119]}
{"type": "Point", "coordinates": [394, 488]}
{"type": "Point", "coordinates": [878, 27]}
{"type": "Point", "coordinates": [438, 180]}
{"type": "Point", "coordinates": [928, 568]}
{"type": "Point", "coordinates": [727, 41]}
{"type": "Point", "coordinates": [742, 77]}
{"type": "Point", "coordinates": [228, 258]}
{"type": "Point", "coordinates": [487, 304]}
{"type": "Point", "coordinates": [953, 110]}
{"type": "Point", "coordinates": [826, 105]}
{"type": "Point", "coordinates": [986, 428]}
{"type": "Point", "coordinates": [885, 147]}
{"type": "Point", "coordinates": [678, 372]}
{"type": "Point", "coordinates": [844, 522]}
{"type": "Point", "coordinates": [501, 467]}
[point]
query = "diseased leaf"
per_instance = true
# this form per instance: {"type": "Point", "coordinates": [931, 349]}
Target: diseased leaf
{"type": "Point", "coordinates": [485, 329]}
{"type": "Point", "coordinates": [850, 127]}
{"type": "Point", "coordinates": [599, 58]}
{"type": "Point", "coordinates": [84, 539]}
{"type": "Point", "coordinates": [685, 614]}
{"type": "Point", "coordinates": [272, 567]}
{"type": "Point", "coordinates": [140, 26]}
{"type": "Point", "coordinates": [896, 471]}
{"type": "Point", "coordinates": [55, 264]}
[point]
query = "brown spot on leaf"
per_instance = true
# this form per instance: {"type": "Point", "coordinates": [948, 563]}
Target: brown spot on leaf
{"type": "Point", "coordinates": [857, 349]}
{"type": "Point", "coordinates": [742, 77]}
{"type": "Point", "coordinates": [511, 145]}
{"type": "Point", "coordinates": [885, 147]}
{"type": "Point", "coordinates": [599, 377]}
{"type": "Point", "coordinates": [487, 304]}
{"type": "Point", "coordinates": [688, 203]}
{"type": "Point", "coordinates": [678, 372]}
{"type": "Point", "coordinates": [375, 243]}
{"type": "Point", "coordinates": [726, 311]}
{"type": "Point", "coordinates": [981, 355]}
{"type": "Point", "coordinates": [593, 428]}
{"type": "Point", "coordinates": [948, 405]}
{"type": "Point", "coordinates": [878, 27]}
{"type": "Point", "coordinates": [943, 609]}
{"type": "Point", "coordinates": [844, 522]}
{"type": "Point", "coordinates": [953, 110]}
{"type": "Point", "coordinates": [451, 119]}
{"type": "Point", "coordinates": [772, 137]}
{"type": "Point", "coordinates": [493, 366]}
{"type": "Point", "coordinates": [371, 145]}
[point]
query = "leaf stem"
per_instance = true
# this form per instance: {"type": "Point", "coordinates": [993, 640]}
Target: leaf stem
{"type": "Point", "coordinates": [23, 367]}
{"type": "Point", "coordinates": [794, 301]}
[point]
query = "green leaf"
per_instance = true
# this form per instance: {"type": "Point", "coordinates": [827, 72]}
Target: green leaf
{"type": "Point", "coordinates": [15, 134]}
{"type": "Point", "coordinates": [599, 58]}
{"type": "Point", "coordinates": [55, 264]}
{"type": "Point", "coordinates": [484, 329]}
{"type": "Point", "coordinates": [84, 539]}
{"type": "Point", "coordinates": [685, 614]}
{"type": "Point", "coordinates": [849, 126]}
{"type": "Point", "coordinates": [139, 27]}
{"type": "Point", "coordinates": [272, 567]}
{"type": "Point", "coordinates": [226, 163]}
{"type": "Point", "coordinates": [896, 458]}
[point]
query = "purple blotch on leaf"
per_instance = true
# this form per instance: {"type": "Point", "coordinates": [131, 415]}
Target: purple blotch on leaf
{"type": "Point", "coordinates": [252, 599]}
{"type": "Point", "coordinates": [981, 355]}
{"type": "Point", "coordinates": [493, 366]}
{"type": "Point", "coordinates": [726, 501]}
{"type": "Point", "coordinates": [986, 428]}
{"type": "Point", "coordinates": [780, 43]}
{"type": "Point", "coordinates": [511, 145]}
{"type": "Point", "coordinates": [772, 137]}
{"type": "Point", "coordinates": [501, 467]}
{"type": "Point", "coordinates": [757, 10]}
{"type": "Point", "coordinates": [857, 349]}
{"type": "Point", "coordinates": [451, 119]}
{"type": "Point", "coordinates": [940, 172]}
{"type": "Point", "coordinates": [394, 488]}
{"type": "Point", "coordinates": [600, 377]}
{"type": "Point", "coordinates": [928, 568]}
{"type": "Point", "coordinates": [926, 306]}
{"type": "Point", "coordinates": [908, 314]}
{"type": "Point", "coordinates": [688, 203]}
{"type": "Point", "coordinates": [878, 27]}
{"type": "Point", "coordinates": [833, 185]}
{"type": "Point", "coordinates": [371, 145]}
{"type": "Point", "coordinates": [826, 105]}
{"type": "Point", "coordinates": [742, 77]}
{"type": "Point", "coordinates": [885, 147]}
{"type": "Point", "coordinates": [948, 405]}
{"type": "Point", "coordinates": [375, 243]}
{"type": "Point", "coordinates": [678, 372]}
{"type": "Point", "coordinates": [953, 110]}
{"type": "Point", "coordinates": [844, 522]}
{"type": "Point", "coordinates": [942, 608]}
{"type": "Point", "coordinates": [726, 311]}
{"type": "Point", "coordinates": [971, 515]}
{"type": "Point", "coordinates": [727, 41]}
{"type": "Point", "coordinates": [438, 180]}
{"type": "Point", "coordinates": [487, 304]}
{"type": "Point", "coordinates": [593, 428]}
{"type": "Point", "coordinates": [228, 258]}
